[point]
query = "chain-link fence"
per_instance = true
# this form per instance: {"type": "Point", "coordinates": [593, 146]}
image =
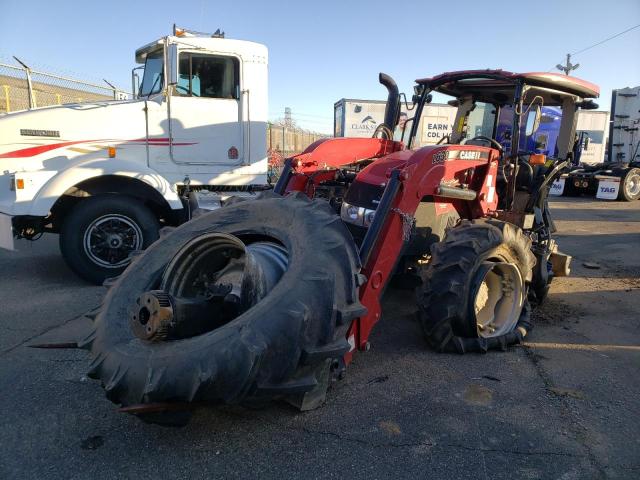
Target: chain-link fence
{"type": "Point", "coordinates": [289, 140]}
{"type": "Point", "coordinates": [284, 142]}
{"type": "Point", "coordinates": [22, 87]}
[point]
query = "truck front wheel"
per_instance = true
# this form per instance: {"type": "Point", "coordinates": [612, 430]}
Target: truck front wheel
{"type": "Point", "coordinates": [100, 233]}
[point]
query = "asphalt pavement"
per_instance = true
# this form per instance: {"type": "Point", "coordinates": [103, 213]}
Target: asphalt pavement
{"type": "Point", "coordinates": [566, 405]}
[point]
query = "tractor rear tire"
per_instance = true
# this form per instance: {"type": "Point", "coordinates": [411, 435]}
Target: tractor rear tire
{"type": "Point", "coordinates": [459, 268]}
{"type": "Point", "coordinates": [286, 346]}
{"type": "Point", "coordinates": [630, 185]}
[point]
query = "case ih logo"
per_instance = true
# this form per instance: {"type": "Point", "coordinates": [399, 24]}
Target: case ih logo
{"type": "Point", "coordinates": [468, 155]}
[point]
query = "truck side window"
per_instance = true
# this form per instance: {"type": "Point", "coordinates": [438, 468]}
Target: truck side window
{"type": "Point", "coordinates": [208, 76]}
{"type": "Point", "coordinates": [152, 82]}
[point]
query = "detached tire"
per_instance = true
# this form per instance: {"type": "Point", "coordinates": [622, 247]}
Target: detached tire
{"type": "Point", "coordinates": [285, 346]}
{"type": "Point", "coordinates": [100, 232]}
{"type": "Point", "coordinates": [630, 185]}
{"type": "Point", "coordinates": [474, 292]}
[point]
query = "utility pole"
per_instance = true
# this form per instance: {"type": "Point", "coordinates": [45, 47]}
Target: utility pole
{"type": "Point", "coordinates": [568, 67]}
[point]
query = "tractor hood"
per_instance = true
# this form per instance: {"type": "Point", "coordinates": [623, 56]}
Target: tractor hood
{"type": "Point", "coordinates": [370, 183]}
{"type": "Point", "coordinates": [44, 137]}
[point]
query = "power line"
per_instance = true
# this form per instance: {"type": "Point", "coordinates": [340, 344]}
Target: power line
{"type": "Point", "coordinates": [605, 40]}
{"type": "Point", "coordinates": [596, 44]}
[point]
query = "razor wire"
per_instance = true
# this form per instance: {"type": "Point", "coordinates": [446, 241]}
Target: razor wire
{"type": "Point", "coordinates": [22, 88]}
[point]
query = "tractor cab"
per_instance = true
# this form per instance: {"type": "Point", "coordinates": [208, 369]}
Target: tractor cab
{"type": "Point", "coordinates": [504, 111]}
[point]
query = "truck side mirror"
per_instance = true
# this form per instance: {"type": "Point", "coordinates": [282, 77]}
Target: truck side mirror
{"type": "Point", "coordinates": [585, 145]}
{"type": "Point", "coordinates": [172, 64]}
{"type": "Point", "coordinates": [533, 120]}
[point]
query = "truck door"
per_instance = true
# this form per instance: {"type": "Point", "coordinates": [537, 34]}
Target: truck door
{"type": "Point", "coordinates": [205, 111]}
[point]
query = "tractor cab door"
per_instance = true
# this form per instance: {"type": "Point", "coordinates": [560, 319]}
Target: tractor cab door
{"type": "Point", "coordinates": [205, 112]}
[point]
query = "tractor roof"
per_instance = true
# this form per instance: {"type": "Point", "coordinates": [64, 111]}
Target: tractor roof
{"type": "Point", "coordinates": [497, 86]}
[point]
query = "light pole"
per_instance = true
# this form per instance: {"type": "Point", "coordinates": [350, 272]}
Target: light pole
{"type": "Point", "coordinates": [568, 67]}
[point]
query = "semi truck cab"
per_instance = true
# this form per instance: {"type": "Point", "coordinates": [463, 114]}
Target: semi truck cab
{"type": "Point", "coordinates": [106, 176]}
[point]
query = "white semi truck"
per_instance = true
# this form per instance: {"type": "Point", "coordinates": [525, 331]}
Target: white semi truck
{"type": "Point", "coordinates": [107, 176]}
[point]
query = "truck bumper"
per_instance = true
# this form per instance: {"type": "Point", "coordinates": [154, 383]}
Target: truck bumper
{"type": "Point", "coordinates": [6, 232]}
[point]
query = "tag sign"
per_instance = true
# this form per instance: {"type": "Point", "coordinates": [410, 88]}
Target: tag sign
{"type": "Point", "coordinates": [557, 188]}
{"type": "Point", "coordinates": [608, 189]}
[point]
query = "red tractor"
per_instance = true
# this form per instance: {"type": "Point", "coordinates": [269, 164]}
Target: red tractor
{"type": "Point", "coordinates": [272, 297]}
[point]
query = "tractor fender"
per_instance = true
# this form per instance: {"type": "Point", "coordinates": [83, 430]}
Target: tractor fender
{"type": "Point", "coordinates": [94, 168]}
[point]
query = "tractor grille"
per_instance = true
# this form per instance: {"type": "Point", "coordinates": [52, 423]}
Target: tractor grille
{"type": "Point", "coordinates": [364, 195]}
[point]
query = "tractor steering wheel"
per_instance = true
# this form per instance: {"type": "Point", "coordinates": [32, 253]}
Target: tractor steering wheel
{"type": "Point", "coordinates": [490, 140]}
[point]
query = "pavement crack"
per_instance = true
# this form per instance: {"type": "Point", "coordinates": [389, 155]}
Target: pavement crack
{"type": "Point", "coordinates": [46, 330]}
{"type": "Point", "coordinates": [406, 444]}
{"type": "Point", "coordinates": [574, 420]}
{"type": "Point", "coordinates": [417, 443]}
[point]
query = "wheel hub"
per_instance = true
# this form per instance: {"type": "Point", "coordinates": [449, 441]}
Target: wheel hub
{"type": "Point", "coordinates": [108, 240]}
{"type": "Point", "coordinates": [210, 281]}
{"type": "Point", "coordinates": [115, 241]}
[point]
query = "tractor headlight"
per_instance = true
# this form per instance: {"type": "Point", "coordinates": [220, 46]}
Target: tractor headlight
{"type": "Point", "coordinates": [368, 217]}
{"type": "Point", "coordinates": [356, 215]}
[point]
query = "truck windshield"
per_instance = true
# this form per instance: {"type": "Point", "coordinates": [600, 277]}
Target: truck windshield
{"type": "Point", "coordinates": [153, 69]}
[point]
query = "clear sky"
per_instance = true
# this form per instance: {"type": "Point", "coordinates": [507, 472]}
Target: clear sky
{"type": "Point", "coordinates": [326, 50]}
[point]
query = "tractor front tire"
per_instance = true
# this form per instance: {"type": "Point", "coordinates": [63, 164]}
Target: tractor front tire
{"type": "Point", "coordinates": [474, 292]}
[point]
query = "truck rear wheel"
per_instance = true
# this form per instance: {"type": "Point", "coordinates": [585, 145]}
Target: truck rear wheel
{"type": "Point", "coordinates": [100, 233]}
{"type": "Point", "coordinates": [630, 185]}
{"type": "Point", "coordinates": [474, 292]}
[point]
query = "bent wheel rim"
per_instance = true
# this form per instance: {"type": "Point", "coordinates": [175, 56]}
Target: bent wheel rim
{"type": "Point", "coordinates": [109, 240]}
{"type": "Point", "coordinates": [498, 299]}
{"type": "Point", "coordinates": [211, 280]}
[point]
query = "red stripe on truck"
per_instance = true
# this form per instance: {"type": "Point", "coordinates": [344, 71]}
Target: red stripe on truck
{"type": "Point", "coordinates": [33, 151]}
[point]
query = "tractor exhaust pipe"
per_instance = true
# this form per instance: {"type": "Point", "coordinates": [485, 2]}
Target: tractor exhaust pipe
{"type": "Point", "coordinates": [392, 110]}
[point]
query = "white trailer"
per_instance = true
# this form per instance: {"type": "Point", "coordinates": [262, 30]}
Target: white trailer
{"type": "Point", "coordinates": [595, 125]}
{"type": "Point", "coordinates": [107, 175]}
{"type": "Point", "coordinates": [359, 118]}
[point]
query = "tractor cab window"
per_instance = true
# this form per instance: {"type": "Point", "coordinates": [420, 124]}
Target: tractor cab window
{"type": "Point", "coordinates": [152, 81]}
{"type": "Point", "coordinates": [208, 76]}
{"type": "Point", "coordinates": [481, 120]}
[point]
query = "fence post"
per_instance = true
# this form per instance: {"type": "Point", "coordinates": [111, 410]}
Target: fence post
{"type": "Point", "coordinates": [6, 97]}
{"type": "Point", "coordinates": [27, 72]}
{"type": "Point", "coordinates": [115, 90]}
{"type": "Point", "coordinates": [32, 97]}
